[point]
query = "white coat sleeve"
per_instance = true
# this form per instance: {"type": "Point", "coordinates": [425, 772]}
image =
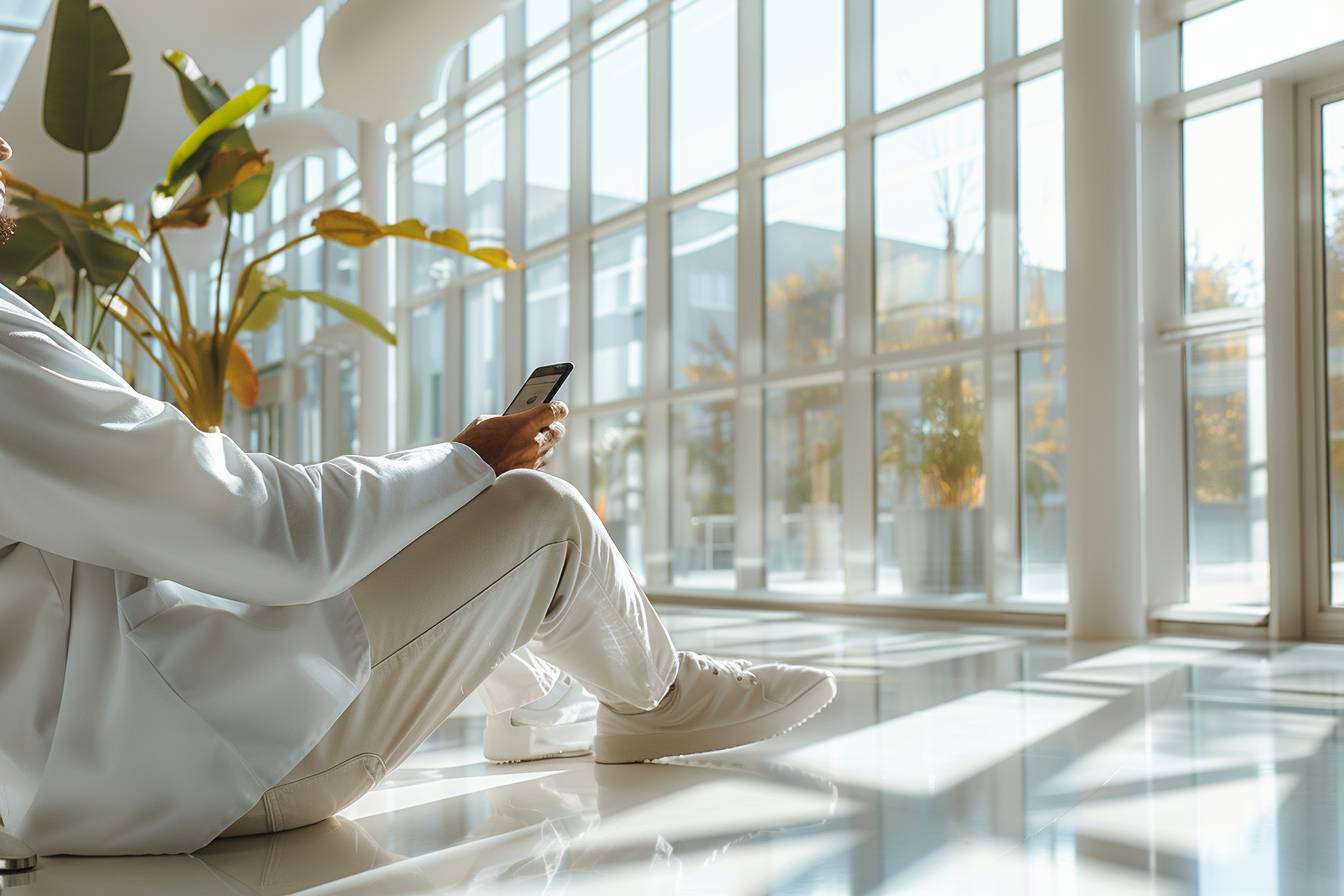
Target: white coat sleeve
{"type": "Point", "coordinates": [93, 471]}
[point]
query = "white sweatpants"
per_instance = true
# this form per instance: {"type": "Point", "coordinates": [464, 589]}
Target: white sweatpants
{"type": "Point", "coordinates": [526, 564]}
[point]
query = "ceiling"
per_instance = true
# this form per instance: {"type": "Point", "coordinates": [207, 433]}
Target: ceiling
{"type": "Point", "coordinates": [230, 39]}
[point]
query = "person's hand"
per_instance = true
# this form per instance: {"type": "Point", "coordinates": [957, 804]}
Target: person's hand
{"type": "Point", "coordinates": [519, 441]}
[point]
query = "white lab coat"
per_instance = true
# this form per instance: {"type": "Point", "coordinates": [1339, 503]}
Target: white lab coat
{"type": "Point", "coordinates": [176, 627]}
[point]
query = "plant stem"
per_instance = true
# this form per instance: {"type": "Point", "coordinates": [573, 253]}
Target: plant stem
{"type": "Point", "coordinates": [219, 283]}
{"type": "Point", "coordinates": [183, 311]}
{"type": "Point", "coordinates": [239, 317]}
{"type": "Point", "coordinates": [86, 177]}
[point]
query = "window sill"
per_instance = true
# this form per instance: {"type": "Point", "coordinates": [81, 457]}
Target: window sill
{"type": "Point", "coordinates": [1252, 615]}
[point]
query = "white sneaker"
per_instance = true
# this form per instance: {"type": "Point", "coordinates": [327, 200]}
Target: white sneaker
{"type": "Point", "coordinates": [559, 724]}
{"type": "Point", "coordinates": [714, 705]}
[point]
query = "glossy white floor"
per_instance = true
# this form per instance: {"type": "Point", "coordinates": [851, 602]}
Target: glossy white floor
{"type": "Point", "coordinates": [955, 760]}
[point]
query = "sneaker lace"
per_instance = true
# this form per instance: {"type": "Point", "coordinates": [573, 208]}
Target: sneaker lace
{"type": "Point", "coordinates": [738, 668]}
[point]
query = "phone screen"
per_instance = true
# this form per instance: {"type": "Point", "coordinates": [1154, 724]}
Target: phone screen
{"type": "Point", "coordinates": [540, 387]}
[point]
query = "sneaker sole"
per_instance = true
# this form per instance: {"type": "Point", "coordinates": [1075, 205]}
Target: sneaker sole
{"type": "Point", "coordinates": [619, 749]}
{"type": "Point", "coordinates": [523, 744]}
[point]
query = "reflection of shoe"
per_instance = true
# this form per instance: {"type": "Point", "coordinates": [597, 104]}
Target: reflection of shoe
{"type": "Point", "coordinates": [559, 724]}
{"type": "Point", "coordinates": [715, 705]}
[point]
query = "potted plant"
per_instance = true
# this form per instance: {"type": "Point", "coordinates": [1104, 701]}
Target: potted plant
{"type": "Point", "coordinates": [939, 528]}
{"type": "Point", "coordinates": [216, 169]}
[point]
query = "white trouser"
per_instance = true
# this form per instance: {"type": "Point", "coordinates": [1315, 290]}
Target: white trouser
{"type": "Point", "coordinates": [526, 564]}
{"type": "Point", "coordinates": [520, 679]}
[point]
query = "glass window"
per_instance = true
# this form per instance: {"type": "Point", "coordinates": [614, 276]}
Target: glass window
{"type": "Point", "coordinates": [931, 481]}
{"type": "Point", "coordinates": [1224, 228]}
{"type": "Point", "coordinates": [1227, 475]}
{"type": "Point", "coordinates": [1332, 228]}
{"type": "Point", "coordinates": [1039, 23]}
{"type": "Point", "coordinates": [619, 279]}
{"type": "Point", "coordinates": [618, 482]}
{"type": "Point", "coordinates": [704, 291]}
{"type": "Point", "coordinates": [703, 518]}
{"type": "Point", "coordinates": [921, 46]}
{"type": "Point", "coordinates": [485, 49]}
{"type": "Point", "coordinates": [704, 90]}
{"type": "Point", "coordinates": [483, 349]}
{"type": "Point", "coordinates": [1040, 201]}
{"type": "Point", "coordinates": [13, 53]}
{"type": "Point", "coordinates": [27, 14]}
{"type": "Point", "coordinates": [341, 277]}
{"type": "Point", "coordinates": [547, 314]}
{"type": "Point", "coordinates": [1043, 470]}
{"type": "Point", "coordinates": [804, 71]}
{"type": "Point", "coordinates": [348, 404]}
{"type": "Point", "coordinates": [610, 21]}
{"type": "Point", "coordinates": [279, 197]}
{"type": "Point", "coordinates": [803, 483]}
{"type": "Point", "coordinates": [309, 410]}
{"type": "Point", "coordinates": [544, 17]}
{"type": "Point", "coordinates": [430, 267]}
{"type": "Point", "coordinates": [308, 276]}
{"type": "Point", "coordinates": [804, 263]}
{"type": "Point", "coordinates": [620, 145]}
{"type": "Point", "coordinates": [310, 44]}
{"type": "Point", "coordinates": [314, 177]}
{"type": "Point", "coordinates": [424, 403]}
{"type": "Point", "coordinates": [1255, 33]}
{"type": "Point", "coordinates": [930, 221]}
{"type": "Point", "coordinates": [277, 75]}
{"type": "Point", "coordinates": [483, 181]}
{"type": "Point", "coordinates": [546, 158]}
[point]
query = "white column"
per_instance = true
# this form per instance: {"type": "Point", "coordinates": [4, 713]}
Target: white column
{"type": "Point", "coordinates": [375, 356]}
{"type": "Point", "coordinates": [1100, 131]}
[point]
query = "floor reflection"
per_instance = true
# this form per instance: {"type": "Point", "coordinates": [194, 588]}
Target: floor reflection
{"type": "Point", "coordinates": [955, 759]}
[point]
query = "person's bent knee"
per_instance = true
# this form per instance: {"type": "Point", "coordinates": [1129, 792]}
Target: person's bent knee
{"type": "Point", "coordinates": [541, 496]}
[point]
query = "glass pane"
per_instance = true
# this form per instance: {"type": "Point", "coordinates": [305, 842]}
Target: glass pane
{"type": "Point", "coordinates": [804, 71]}
{"type": "Point", "coordinates": [309, 411]}
{"type": "Point", "coordinates": [620, 163]}
{"type": "Point", "coordinates": [430, 268]}
{"type": "Point", "coordinates": [1227, 477]}
{"type": "Point", "coordinates": [348, 405]}
{"type": "Point", "coordinates": [546, 158]}
{"type": "Point", "coordinates": [547, 314]}
{"type": "Point", "coordinates": [702, 495]}
{"type": "Point", "coordinates": [314, 177]}
{"type": "Point", "coordinates": [1254, 33]}
{"type": "Point", "coordinates": [618, 483]}
{"type": "Point", "coordinates": [704, 90]}
{"type": "Point", "coordinates": [544, 17]}
{"type": "Point", "coordinates": [619, 279]}
{"type": "Point", "coordinates": [310, 43]}
{"type": "Point", "coordinates": [1040, 201]}
{"type": "Point", "coordinates": [930, 219]}
{"type": "Point", "coordinates": [609, 22]}
{"type": "Point", "coordinates": [483, 349]}
{"type": "Point", "coordinates": [341, 278]}
{"type": "Point", "coordinates": [1039, 23]}
{"type": "Point", "coordinates": [803, 482]}
{"type": "Point", "coordinates": [921, 46]}
{"type": "Point", "coordinates": [1332, 157]}
{"type": "Point", "coordinates": [485, 50]}
{"type": "Point", "coordinates": [13, 53]}
{"type": "Point", "coordinates": [931, 481]}
{"type": "Point", "coordinates": [704, 291]}
{"type": "Point", "coordinates": [804, 263]}
{"type": "Point", "coordinates": [484, 178]}
{"type": "Point", "coordinates": [1043, 431]}
{"type": "Point", "coordinates": [424, 404]}
{"type": "Point", "coordinates": [23, 13]}
{"type": "Point", "coordinates": [277, 76]}
{"type": "Point", "coordinates": [1224, 228]}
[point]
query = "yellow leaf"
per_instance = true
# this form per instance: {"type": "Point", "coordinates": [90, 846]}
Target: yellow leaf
{"type": "Point", "coordinates": [450, 238]}
{"type": "Point", "coordinates": [495, 257]}
{"type": "Point", "coordinates": [241, 375]}
{"type": "Point", "coordinates": [409, 228]}
{"type": "Point", "coordinates": [348, 228]}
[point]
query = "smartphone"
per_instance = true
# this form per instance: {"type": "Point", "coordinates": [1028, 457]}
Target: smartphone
{"type": "Point", "coordinates": [540, 387]}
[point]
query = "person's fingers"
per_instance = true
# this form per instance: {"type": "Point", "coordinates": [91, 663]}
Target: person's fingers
{"type": "Point", "coordinates": [559, 429]}
{"type": "Point", "coordinates": [545, 414]}
{"type": "Point", "coordinates": [5, 151]}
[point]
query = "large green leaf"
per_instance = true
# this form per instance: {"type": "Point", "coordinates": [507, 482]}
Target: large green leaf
{"type": "Point", "coordinates": [201, 96]}
{"type": "Point", "coordinates": [210, 135]}
{"type": "Point", "coordinates": [105, 259]}
{"type": "Point", "coordinates": [31, 245]}
{"type": "Point", "coordinates": [347, 310]}
{"type": "Point", "coordinates": [85, 98]}
{"type": "Point", "coordinates": [38, 292]}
